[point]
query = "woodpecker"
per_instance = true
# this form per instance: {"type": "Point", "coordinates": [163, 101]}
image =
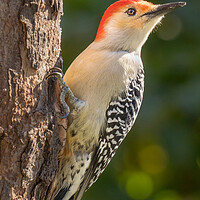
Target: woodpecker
{"type": "Point", "coordinates": [103, 89]}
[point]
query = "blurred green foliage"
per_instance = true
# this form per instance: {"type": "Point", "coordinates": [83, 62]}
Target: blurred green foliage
{"type": "Point", "coordinates": [160, 158]}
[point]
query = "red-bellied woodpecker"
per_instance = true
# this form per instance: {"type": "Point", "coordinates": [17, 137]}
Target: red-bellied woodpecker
{"type": "Point", "coordinates": [108, 78]}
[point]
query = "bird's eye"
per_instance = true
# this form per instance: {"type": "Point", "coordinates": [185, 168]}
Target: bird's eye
{"type": "Point", "coordinates": [131, 11]}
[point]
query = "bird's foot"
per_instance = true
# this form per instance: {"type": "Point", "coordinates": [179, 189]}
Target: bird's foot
{"type": "Point", "coordinates": [65, 92]}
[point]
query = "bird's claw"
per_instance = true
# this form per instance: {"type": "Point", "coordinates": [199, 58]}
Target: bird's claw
{"type": "Point", "coordinates": [65, 92]}
{"type": "Point", "coordinates": [64, 116]}
{"type": "Point", "coordinates": [55, 71]}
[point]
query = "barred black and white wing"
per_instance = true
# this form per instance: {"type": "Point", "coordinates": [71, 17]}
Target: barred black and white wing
{"type": "Point", "coordinates": [121, 115]}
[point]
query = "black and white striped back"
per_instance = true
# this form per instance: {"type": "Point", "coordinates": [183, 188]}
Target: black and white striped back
{"type": "Point", "coordinates": [120, 117]}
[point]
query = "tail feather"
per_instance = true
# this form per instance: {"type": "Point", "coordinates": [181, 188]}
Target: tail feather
{"type": "Point", "coordinates": [61, 194]}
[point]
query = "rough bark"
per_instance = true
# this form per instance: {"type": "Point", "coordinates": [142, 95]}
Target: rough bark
{"type": "Point", "coordinates": [30, 38]}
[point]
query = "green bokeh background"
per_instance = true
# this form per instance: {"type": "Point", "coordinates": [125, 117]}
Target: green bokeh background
{"type": "Point", "coordinates": [160, 157]}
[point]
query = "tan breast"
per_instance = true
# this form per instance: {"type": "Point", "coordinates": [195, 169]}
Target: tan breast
{"type": "Point", "coordinates": [96, 76]}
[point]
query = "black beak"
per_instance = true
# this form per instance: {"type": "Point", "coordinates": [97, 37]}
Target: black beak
{"type": "Point", "coordinates": [164, 9]}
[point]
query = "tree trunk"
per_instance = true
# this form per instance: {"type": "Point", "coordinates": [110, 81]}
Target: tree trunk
{"type": "Point", "coordinates": [30, 38]}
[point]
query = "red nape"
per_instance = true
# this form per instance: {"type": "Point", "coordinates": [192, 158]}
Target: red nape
{"type": "Point", "coordinates": [108, 13]}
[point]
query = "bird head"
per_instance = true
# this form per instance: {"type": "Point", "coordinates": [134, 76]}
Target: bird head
{"type": "Point", "coordinates": [126, 24]}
